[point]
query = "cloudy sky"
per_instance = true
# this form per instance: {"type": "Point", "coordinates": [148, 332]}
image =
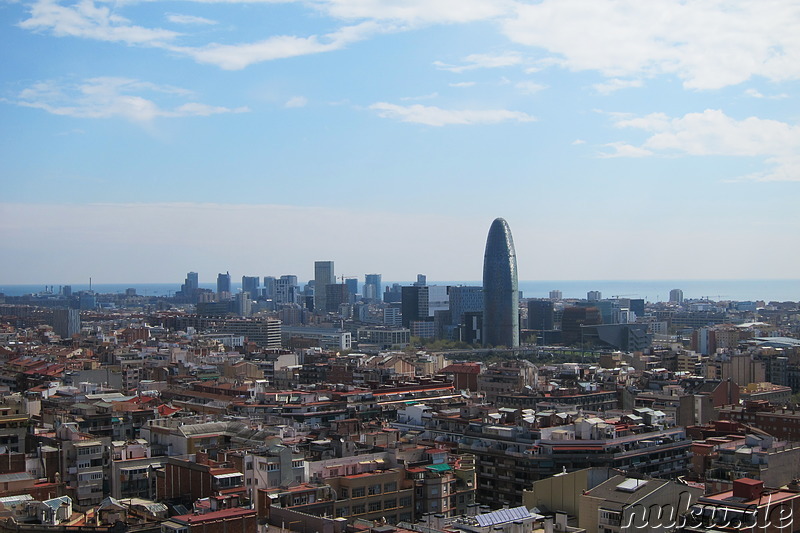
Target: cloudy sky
{"type": "Point", "coordinates": [142, 139]}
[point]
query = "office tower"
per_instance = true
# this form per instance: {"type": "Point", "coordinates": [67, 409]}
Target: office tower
{"type": "Point", "coordinates": [500, 288]}
{"type": "Point", "coordinates": [540, 315]}
{"type": "Point", "coordinates": [244, 306]}
{"type": "Point", "coordinates": [573, 318]}
{"type": "Point", "coordinates": [269, 287]}
{"type": "Point", "coordinates": [372, 286]}
{"type": "Point", "coordinates": [556, 295]}
{"type": "Point", "coordinates": [66, 322]}
{"type": "Point", "coordinates": [420, 302]}
{"type": "Point", "coordinates": [422, 280]}
{"type": "Point", "coordinates": [336, 294]}
{"type": "Point", "coordinates": [323, 276]}
{"type": "Point", "coordinates": [464, 300]}
{"type": "Point", "coordinates": [676, 296]}
{"type": "Point", "coordinates": [393, 294]}
{"type": "Point", "coordinates": [250, 284]}
{"type": "Point", "coordinates": [190, 285]}
{"type": "Point", "coordinates": [352, 286]}
{"type": "Point", "coordinates": [593, 296]}
{"type": "Point", "coordinates": [636, 305]}
{"type": "Point", "coordinates": [286, 290]}
{"type": "Point", "coordinates": [224, 286]}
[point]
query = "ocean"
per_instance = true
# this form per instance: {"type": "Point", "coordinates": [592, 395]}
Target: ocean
{"type": "Point", "coordinates": [650, 290]}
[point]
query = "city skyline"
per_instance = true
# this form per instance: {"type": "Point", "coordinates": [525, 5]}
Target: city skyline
{"type": "Point", "coordinates": [147, 139]}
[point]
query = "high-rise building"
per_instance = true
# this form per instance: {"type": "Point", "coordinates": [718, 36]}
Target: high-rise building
{"type": "Point", "coordinates": [422, 280]}
{"type": "Point", "coordinates": [372, 286]}
{"type": "Point", "coordinates": [269, 287]}
{"type": "Point", "coordinates": [286, 290]}
{"type": "Point", "coordinates": [464, 299]}
{"type": "Point", "coordinates": [540, 315]}
{"type": "Point", "coordinates": [244, 306]}
{"type": "Point", "coordinates": [323, 276]}
{"type": "Point", "coordinates": [190, 286]}
{"type": "Point", "coordinates": [336, 294]}
{"type": "Point", "coordinates": [676, 296]}
{"type": "Point", "coordinates": [593, 296]}
{"type": "Point", "coordinates": [556, 295]}
{"type": "Point", "coordinates": [250, 284]}
{"type": "Point", "coordinates": [500, 288]}
{"type": "Point", "coordinates": [352, 287]}
{"type": "Point", "coordinates": [224, 286]}
{"type": "Point", "coordinates": [66, 322]}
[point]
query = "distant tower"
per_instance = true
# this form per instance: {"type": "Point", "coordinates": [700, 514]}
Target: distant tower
{"type": "Point", "coordinates": [372, 286]}
{"type": "Point", "coordinates": [676, 296]}
{"type": "Point", "coordinates": [224, 286]}
{"type": "Point", "coordinates": [501, 288]}
{"type": "Point", "coordinates": [323, 276]}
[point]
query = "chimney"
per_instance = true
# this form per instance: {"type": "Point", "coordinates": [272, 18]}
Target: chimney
{"type": "Point", "coordinates": [749, 489]}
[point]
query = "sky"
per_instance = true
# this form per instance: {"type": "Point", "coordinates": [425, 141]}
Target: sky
{"type": "Point", "coordinates": [142, 139]}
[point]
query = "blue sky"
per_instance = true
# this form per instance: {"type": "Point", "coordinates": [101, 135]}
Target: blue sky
{"type": "Point", "coordinates": [621, 140]}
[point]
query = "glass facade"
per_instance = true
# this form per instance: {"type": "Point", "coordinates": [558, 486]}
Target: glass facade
{"type": "Point", "coordinates": [501, 288]}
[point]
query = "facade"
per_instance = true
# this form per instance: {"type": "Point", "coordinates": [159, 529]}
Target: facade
{"type": "Point", "coordinates": [676, 296]}
{"type": "Point", "coordinates": [224, 286]}
{"type": "Point", "coordinates": [464, 299]}
{"type": "Point", "coordinates": [323, 276]}
{"type": "Point", "coordinates": [250, 285]}
{"type": "Point", "coordinates": [501, 288]}
{"type": "Point", "coordinates": [372, 286]}
{"type": "Point", "coordinates": [66, 322]}
{"type": "Point", "coordinates": [540, 315]}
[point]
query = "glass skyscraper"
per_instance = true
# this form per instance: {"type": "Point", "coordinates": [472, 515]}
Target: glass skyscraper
{"type": "Point", "coordinates": [500, 288]}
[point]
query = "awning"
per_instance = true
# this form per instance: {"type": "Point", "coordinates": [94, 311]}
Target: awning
{"type": "Point", "coordinates": [438, 468]}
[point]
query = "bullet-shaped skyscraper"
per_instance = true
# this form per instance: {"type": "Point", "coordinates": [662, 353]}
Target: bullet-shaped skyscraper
{"type": "Point", "coordinates": [500, 288]}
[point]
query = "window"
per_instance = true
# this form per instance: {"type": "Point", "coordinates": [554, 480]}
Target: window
{"type": "Point", "coordinates": [374, 506]}
{"type": "Point", "coordinates": [342, 511]}
{"type": "Point", "coordinates": [359, 509]}
{"type": "Point", "coordinates": [358, 492]}
{"type": "Point", "coordinates": [374, 489]}
{"type": "Point", "coordinates": [298, 464]}
{"type": "Point", "coordinates": [344, 493]}
{"type": "Point", "coordinates": [405, 501]}
{"type": "Point", "coordinates": [273, 467]}
{"type": "Point", "coordinates": [390, 504]}
{"type": "Point", "coordinates": [262, 465]}
{"type": "Point", "coordinates": [390, 487]}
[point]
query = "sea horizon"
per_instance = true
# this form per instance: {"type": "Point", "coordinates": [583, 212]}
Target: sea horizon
{"type": "Point", "coordinates": [649, 290]}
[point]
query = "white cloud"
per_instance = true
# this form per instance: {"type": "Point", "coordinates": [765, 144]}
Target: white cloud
{"type": "Point", "coordinates": [708, 43]}
{"type": "Point", "coordinates": [578, 141]}
{"type": "Point", "coordinates": [476, 61]}
{"type": "Point", "coordinates": [296, 101]}
{"type": "Point", "coordinates": [435, 116]}
{"type": "Point", "coordinates": [85, 19]}
{"type": "Point", "coordinates": [615, 84]}
{"type": "Point", "coordinates": [463, 84]}
{"type": "Point", "coordinates": [239, 56]}
{"type": "Point", "coordinates": [111, 97]}
{"type": "Point", "coordinates": [621, 149]}
{"type": "Point", "coordinates": [757, 94]}
{"type": "Point", "coordinates": [430, 96]}
{"type": "Point", "coordinates": [530, 87]}
{"type": "Point", "coordinates": [417, 12]}
{"type": "Point", "coordinates": [712, 132]}
{"type": "Point", "coordinates": [189, 19]}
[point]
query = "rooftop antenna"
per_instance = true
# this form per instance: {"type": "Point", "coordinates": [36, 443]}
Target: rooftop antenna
{"type": "Point", "coordinates": [90, 283]}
